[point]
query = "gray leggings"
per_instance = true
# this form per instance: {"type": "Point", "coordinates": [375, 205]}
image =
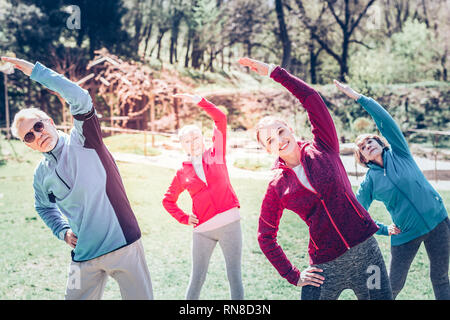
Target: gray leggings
{"type": "Point", "coordinates": [361, 269]}
{"type": "Point", "coordinates": [203, 244]}
{"type": "Point", "coordinates": [437, 246]}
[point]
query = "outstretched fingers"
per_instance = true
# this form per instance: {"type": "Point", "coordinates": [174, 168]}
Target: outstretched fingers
{"type": "Point", "coordinates": [23, 65]}
{"type": "Point", "coordinates": [255, 65]}
{"type": "Point", "coordinates": [339, 85]}
{"type": "Point", "coordinates": [188, 97]}
{"type": "Point", "coordinates": [346, 89]}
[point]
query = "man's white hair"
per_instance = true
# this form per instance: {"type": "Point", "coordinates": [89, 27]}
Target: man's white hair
{"type": "Point", "coordinates": [28, 113]}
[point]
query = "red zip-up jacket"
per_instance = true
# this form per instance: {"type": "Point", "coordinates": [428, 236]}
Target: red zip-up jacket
{"type": "Point", "coordinates": [336, 220]}
{"type": "Point", "coordinates": [215, 196]}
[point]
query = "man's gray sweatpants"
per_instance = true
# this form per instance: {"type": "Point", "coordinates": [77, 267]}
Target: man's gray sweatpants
{"type": "Point", "coordinates": [203, 244]}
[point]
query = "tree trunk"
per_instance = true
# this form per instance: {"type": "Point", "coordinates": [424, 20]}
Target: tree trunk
{"type": "Point", "coordinates": [344, 59]}
{"type": "Point", "coordinates": [158, 52]}
{"type": "Point", "coordinates": [197, 53]}
{"type": "Point", "coordinates": [444, 64]}
{"type": "Point", "coordinates": [92, 44]}
{"type": "Point", "coordinates": [230, 56]}
{"type": "Point", "coordinates": [147, 37]}
{"type": "Point", "coordinates": [249, 49]}
{"type": "Point", "coordinates": [211, 59]}
{"type": "Point", "coordinates": [286, 60]}
{"type": "Point", "coordinates": [174, 37]}
{"type": "Point", "coordinates": [173, 50]}
{"type": "Point", "coordinates": [188, 47]}
{"type": "Point", "coordinates": [162, 32]}
{"type": "Point", "coordinates": [138, 30]}
{"type": "Point", "coordinates": [148, 31]}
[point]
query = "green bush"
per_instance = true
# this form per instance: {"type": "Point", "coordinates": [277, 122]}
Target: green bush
{"type": "Point", "coordinates": [408, 56]}
{"type": "Point", "coordinates": [253, 164]}
{"type": "Point", "coordinates": [362, 125]}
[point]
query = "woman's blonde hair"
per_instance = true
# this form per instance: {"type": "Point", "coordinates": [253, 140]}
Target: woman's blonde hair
{"type": "Point", "coordinates": [265, 122]}
{"type": "Point", "coordinates": [28, 113]}
{"type": "Point", "coordinates": [360, 140]}
{"type": "Point", "coordinates": [187, 129]}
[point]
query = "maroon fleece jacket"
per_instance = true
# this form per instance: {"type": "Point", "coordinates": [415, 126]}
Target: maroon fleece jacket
{"type": "Point", "coordinates": [336, 220]}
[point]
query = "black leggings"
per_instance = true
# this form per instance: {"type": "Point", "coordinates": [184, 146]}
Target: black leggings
{"type": "Point", "coordinates": [437, 246]}
{"type": "Point", "coordinates": [361, 269]}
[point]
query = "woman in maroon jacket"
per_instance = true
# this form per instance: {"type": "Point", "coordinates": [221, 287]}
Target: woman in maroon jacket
{"type": "Point", "coordinates": [313, 183]}
{"type": "Point", "coordinates": [215, 207]}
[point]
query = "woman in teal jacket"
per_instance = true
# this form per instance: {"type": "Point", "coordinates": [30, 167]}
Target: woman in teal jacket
{"type": "Point", "coordinates": [417, 210]}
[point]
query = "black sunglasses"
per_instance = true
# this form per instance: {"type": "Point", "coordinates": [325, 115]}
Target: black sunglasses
{"type": "Point", "coordinates": [38, 127]}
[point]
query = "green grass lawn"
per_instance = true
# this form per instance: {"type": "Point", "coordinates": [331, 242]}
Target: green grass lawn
{"type": "Point", "coordinates": [253, 164]}
{"type": "Point", "coordinates": [34, 264]}
{"type": "Point", "coordinates": [134, 143]}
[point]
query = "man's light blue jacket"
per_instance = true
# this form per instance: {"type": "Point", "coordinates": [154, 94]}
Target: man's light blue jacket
{"type": "Point", "coordinates": [79, 179]}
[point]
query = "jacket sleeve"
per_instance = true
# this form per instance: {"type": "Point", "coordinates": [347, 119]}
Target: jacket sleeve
{"type": "Point", "coordinates": [49, 212]}
{"type": "Point", "coordinates": [220, 128]}
{"type": "Point", "coordinates": [365, 197]}
{"type": "Point", "coordinates": [269, 220]}
{"type": "Point", "coordinates": [86, 122]}
{"type": "Point", "coordinates": [322, 124]}
{"type": "Point", "coordinates": [170, 201]}
{"type": "Point", "coordinates": [386, 124]}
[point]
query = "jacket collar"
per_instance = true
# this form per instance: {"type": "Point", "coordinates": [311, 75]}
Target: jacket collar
{"type": "Point", "coordinates": [190, 160]}
{"type": "Point", "coordinates": [281, 164]}
{"type": "Point", "coordinates": [373, 165]}
{"type": "Point", "coordinates": [55, 153]}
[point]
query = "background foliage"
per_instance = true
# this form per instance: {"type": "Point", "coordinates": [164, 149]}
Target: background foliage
{"type": "Point", "coordinates": [372, 44]}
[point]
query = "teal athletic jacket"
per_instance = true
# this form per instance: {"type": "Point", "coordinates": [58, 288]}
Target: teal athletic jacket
{"type": "Point", "coordinates": [415, 207]}
{"type": "Point", "coordinates": [80, 180]}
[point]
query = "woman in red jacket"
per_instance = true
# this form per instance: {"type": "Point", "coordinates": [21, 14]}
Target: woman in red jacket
{"type": "Point", "coordinates": [215, 207]}
{"type": "Point", "coordinates": [313, 183]}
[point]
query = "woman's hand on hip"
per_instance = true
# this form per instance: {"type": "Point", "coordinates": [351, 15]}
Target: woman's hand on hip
{"type": "Point", "coordinates": [392, 229]}
{"type": "Point", "coordinates": [193, 221]}
{"type": "Point", "coordinates": [310, 277]}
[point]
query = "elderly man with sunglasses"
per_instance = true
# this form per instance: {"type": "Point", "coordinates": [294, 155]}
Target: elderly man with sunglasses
{"type": "Point", "coordinates": [78, 178]}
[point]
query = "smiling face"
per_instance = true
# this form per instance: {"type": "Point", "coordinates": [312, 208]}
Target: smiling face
{"type": "Point", "coordinates": [277, 138]}
{"type": "Point", "coordinates": [192, 142]}
{"type": "Point", "coordinates": [44, 140]}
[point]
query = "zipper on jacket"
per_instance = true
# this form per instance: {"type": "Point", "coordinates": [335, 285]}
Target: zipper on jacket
{"type": "Point", "coordinates": [412, 204]}
{"type": "Point", "coordinates": [204, 172]}
{"type": "Point", "coordinates": [324, 205]}
{"type": "Point", "coordinates": [334, 225]}
{"type": "Point", "coordinates": [354, 207]}
{"type": "Point", "coordinates": [62, 180]}
{"type": "Point", "coordinates": [315, 245]}
{"type": "Point", "coordinates": [51, 153]}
